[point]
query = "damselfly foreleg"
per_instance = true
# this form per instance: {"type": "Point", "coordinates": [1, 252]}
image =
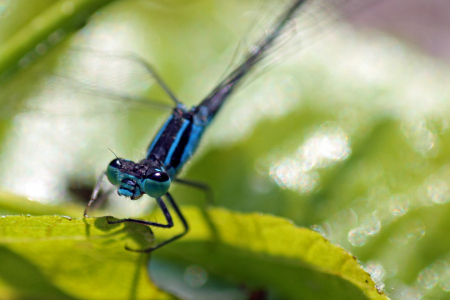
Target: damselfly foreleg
{"type": "Point", "coordinates": [94, 195]}
{"type": "Point", "coordinates": [166, 213]}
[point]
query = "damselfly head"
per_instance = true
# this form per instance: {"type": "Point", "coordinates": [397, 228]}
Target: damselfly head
{"type": "Point", "coordinates": [135, 179]}
{"type": "Point", "coordinates": [119, 174]}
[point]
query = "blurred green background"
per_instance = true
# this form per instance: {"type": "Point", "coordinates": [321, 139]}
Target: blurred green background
{"type": "Point", "coordinates": [343, 131]}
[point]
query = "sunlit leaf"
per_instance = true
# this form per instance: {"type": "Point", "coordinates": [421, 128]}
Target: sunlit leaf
{"type": "Point", "coordinates": [267, 252]}
{"type": "Point", "coordinates": [54, 257]}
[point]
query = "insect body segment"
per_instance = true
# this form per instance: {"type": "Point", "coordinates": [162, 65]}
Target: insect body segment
{"type": "Point", "coordinates": [177, 140]}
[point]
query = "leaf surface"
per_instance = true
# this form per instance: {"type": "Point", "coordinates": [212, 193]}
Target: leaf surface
{"type": "Point", "coordinates": [63, 258]}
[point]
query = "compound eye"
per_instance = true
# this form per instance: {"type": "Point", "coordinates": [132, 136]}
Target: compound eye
{"type": "Point", "coordinates": [113, 172]}
{"type": "Point", "coordinates": [158, 176]}
{"type": "Point", "coordinates": [116, 163]}
{"type": "Point", "coordinates": [157, 184]}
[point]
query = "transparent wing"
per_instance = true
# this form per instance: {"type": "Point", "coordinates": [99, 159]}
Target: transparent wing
{"type": "Point", "coordinates": [90, 82]}
{"type": "Point", "coordinates": [126, 74]}
{"type": "Point", "coordinates": [313, 21]}
{"type": "Point", "coordinates": [68, 110]}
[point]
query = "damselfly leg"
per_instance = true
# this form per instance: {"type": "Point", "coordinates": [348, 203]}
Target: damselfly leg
{"type": "Point", "coordinates": [169, 224]}
{"type": "Point", "coordinates": [95, 193]}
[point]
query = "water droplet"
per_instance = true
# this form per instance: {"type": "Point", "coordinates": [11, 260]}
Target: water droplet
{"type": "Point", "coordinates": [291, 174]}
{"type": "Point", "coordinates": [318, 229]}
{"type": "Point", "coordinates": [347, 218]}
{"type": "Point", "coordinates": [415, 230]}
{"type": "Point", "coordinates": [438, 191]}
{"type": "Point", "coordinates": [399, 238]}
{"type": "Point", "coordinates": [195, 276]}
{"type": "Point", "coordinates": [391, 270]}
{"type": "Point", "coordinates": [357, 237]}
{"type": "Point", "coordinates": [427, 278]}
{"type": "Point", "coordinates": [399, 205]}
{"type": "Point", "coordinates": [41, 49]}
{"type": "Point", "coordinates": [324, 148]}
{"type": "Point", "coordinates": [442, 269]}
{"type": "Point", "coordinates": [56, 36]}
{"type": "Point", "coordinates": [408, 293]}
{"type": "Point", "coordinates": [444, 278]}
{"type": "Point", "coordinates": [421, 138]}
{"type": "Point", "coordinates": [324, 230]}
{"type": "Point", "coordinates": [371, 224]}
{"type": "Point", "coordinates": [377, 273]}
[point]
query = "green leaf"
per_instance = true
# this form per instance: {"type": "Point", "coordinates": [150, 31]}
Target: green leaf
{"type": "Point", "coordinates": [67, 258]}
{"type": "Point", "coordinates": [54, 257]}
{"type": "Point", "coordinates": [269, 252]}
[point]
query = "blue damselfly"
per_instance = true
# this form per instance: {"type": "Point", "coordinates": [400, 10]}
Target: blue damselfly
{"type": "Point", "coordinates": [178, 139]}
